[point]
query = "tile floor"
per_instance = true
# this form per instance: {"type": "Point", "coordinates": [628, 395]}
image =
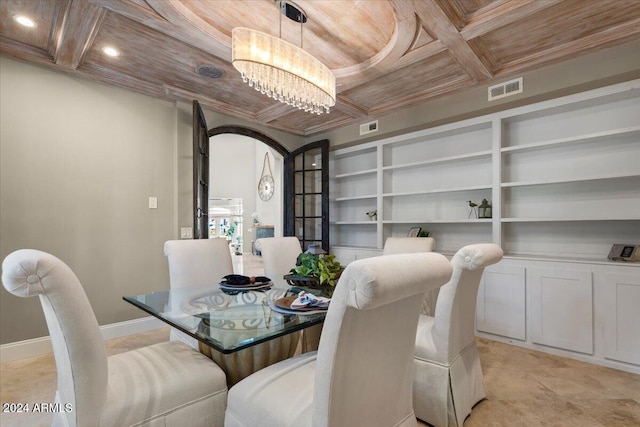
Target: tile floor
{"type": "Point", "coordinates": [524, 387]}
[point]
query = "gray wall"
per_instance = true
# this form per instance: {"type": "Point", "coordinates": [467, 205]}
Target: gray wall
{"type": "Point", "coordinates": [602, 68]}
{"type": "Point", "coordinates": [78, 162]}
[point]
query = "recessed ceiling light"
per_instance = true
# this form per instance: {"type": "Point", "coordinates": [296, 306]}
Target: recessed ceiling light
{"type": "Point", "coordinates": [111, 51]}
{"type": "Point", "coordinates": [23, 20]}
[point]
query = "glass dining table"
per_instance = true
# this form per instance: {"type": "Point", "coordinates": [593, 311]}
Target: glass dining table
{"type": "Point", "coordinates": [242, 331]}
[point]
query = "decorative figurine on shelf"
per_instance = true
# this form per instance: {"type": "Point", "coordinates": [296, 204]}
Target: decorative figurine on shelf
{"type": "Point", "coordinates": [484, 210]}
{"type": "Point", "coordinates": [372, 214]}
{"type": "Point", "coordinates": [424, 233]}
{"type": "Point", "coordinates": [473, 210]}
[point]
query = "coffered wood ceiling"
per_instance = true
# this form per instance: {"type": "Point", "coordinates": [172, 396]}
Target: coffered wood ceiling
{"type": "Point", "coordinates": [386, 55]}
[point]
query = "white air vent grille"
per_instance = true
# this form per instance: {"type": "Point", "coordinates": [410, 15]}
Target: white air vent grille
{"type": "Point", "coordinates": [369, 127]}
{"type": "Point", "coordinates": [505, 89]}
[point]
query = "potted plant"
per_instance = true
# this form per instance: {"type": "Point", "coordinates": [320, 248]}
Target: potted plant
{"type": "Point", "coordinates": [316, 271]}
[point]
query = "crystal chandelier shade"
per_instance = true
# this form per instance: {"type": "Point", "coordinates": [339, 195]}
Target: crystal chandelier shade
{"type": "Point", "coordinates": [283, 71]}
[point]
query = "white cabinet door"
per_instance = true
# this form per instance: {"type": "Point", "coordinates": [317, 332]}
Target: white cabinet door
{"type": "Point", "coordinates": [562, 309]}
{"type": "Point", "coordinates": [501, 302]}
{"type": "Point", "coordinates": [621, 301]}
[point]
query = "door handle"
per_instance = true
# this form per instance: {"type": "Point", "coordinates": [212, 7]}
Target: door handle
{"type": "Point", "coordinates": [200, 213]}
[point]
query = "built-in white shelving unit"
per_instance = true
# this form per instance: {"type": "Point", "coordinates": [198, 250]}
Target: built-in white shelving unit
{"type": "Point", "coordinates": [563, 179]}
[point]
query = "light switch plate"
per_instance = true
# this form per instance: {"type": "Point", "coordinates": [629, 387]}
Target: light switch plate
{"type": "Point", "coordinates": [153, 203]}
{"type": "Point", "coordinates": [186, 233]}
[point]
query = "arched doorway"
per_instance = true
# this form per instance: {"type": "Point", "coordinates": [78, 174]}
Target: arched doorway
{"type": "Point", "coordinates": [236, 163]}
{"type": "Point", "coordinates": [305, 183]}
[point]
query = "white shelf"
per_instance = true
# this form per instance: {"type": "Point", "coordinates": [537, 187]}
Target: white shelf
{"type": "Point", "coordinates": [558, 219]}
{"type": "Point", "coordinates": [571, 140]}
{"type": "Point", "coordinates": [354, 223]}
{"type": "Point", "coordinates": [585, 260]}
{"type": "Point", "coordinates": [359, 173]}
{"type": "Point", "coordinates": [442, 160]}
{"type": "Point", "coordinates": [346, 199]}
{"type": "Point", "coordinates": [440, 221]}
{"type": "Point", "coordinates": [568, 180]}
{"type": "Point", "coordinates": [368, 248]}
{"type": "Point", "coordinates": [440, 190]}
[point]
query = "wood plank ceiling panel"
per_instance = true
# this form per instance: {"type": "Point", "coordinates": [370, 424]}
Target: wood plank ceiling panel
{"type": "Point", "coordinates": [44, 14]}
{"type": "Point", "coordinates": [420, 80]}
{"type": "Point", "coordinates": [558, 25]}
{"type": "Point", "coordinates": [168, 64]}
{"type": "Point", "coordinates": [386, 55]}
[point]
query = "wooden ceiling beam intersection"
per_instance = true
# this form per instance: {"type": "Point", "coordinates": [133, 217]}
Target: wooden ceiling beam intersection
{"type": "Point", "coordinates": [349, 107]}
{"type": "Point", "coordinates": [437, 22]}
{"type": "Point", "coordinates": [79, 29]}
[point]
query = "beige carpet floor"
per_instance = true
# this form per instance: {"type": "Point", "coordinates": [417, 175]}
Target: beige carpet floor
{"type": "Point", "coordinates": [525, 388]}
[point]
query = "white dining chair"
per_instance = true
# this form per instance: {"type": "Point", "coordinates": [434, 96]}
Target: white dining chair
{"type": "Point", "coordinates": [196, 262]}
{"type": "Point", "coordinates": [409, 245]}
{"type": "Point", "coordinates": [166, 384]}
{"type": "Point", "coordinates": [279, 254]}
{"type": "Point", "coordinates": [362, 373]}
{"type": "Point", "coordinates": [448, 377]}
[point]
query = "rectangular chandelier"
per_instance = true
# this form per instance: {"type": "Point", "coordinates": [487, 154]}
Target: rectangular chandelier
{"type": "Point", "coordinates": [283, 71]}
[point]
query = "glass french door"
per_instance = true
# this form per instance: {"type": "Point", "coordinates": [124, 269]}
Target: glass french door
{"type": "Point", "coordinates": [200, 174]}
{"type": "Point", "coordinates": [307, 195]}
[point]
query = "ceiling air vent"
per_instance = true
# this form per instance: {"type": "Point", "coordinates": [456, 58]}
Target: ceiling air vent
{"type": "Point", "coordinates": [369, 127]}
{"type": "Point", "coordinates": [505, 89]}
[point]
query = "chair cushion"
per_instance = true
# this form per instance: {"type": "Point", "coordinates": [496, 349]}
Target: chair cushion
{"type": "Point", "coordinates": [280, 395]}
{"type": "Point", "coordinates": [156, 381]}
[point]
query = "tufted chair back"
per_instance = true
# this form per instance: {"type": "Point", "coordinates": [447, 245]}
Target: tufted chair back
{"type": "Point", "coordinates": [368, 337]}
{"type": "Point", "coordinates": [454, 325]}
{"type": "Point", "coordinates": [408, 245]}
{"type": "Point", "coordinates": [78, 348]}
{"type": "Point", "coordinates": [362, 373]}
{"type": "Point", "coordinates": [448, 375]}
{"type": "Point", "coordinates": [279, 254]}
{"type": "Point", "coordinates": [197, 262]}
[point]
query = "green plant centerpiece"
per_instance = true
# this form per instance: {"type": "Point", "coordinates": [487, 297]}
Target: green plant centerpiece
{"type": "Point", "coordinates": [316, 271]}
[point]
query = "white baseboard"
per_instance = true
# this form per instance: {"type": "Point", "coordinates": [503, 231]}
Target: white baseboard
{"type": "Point", "coordinates": [37, 346]}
